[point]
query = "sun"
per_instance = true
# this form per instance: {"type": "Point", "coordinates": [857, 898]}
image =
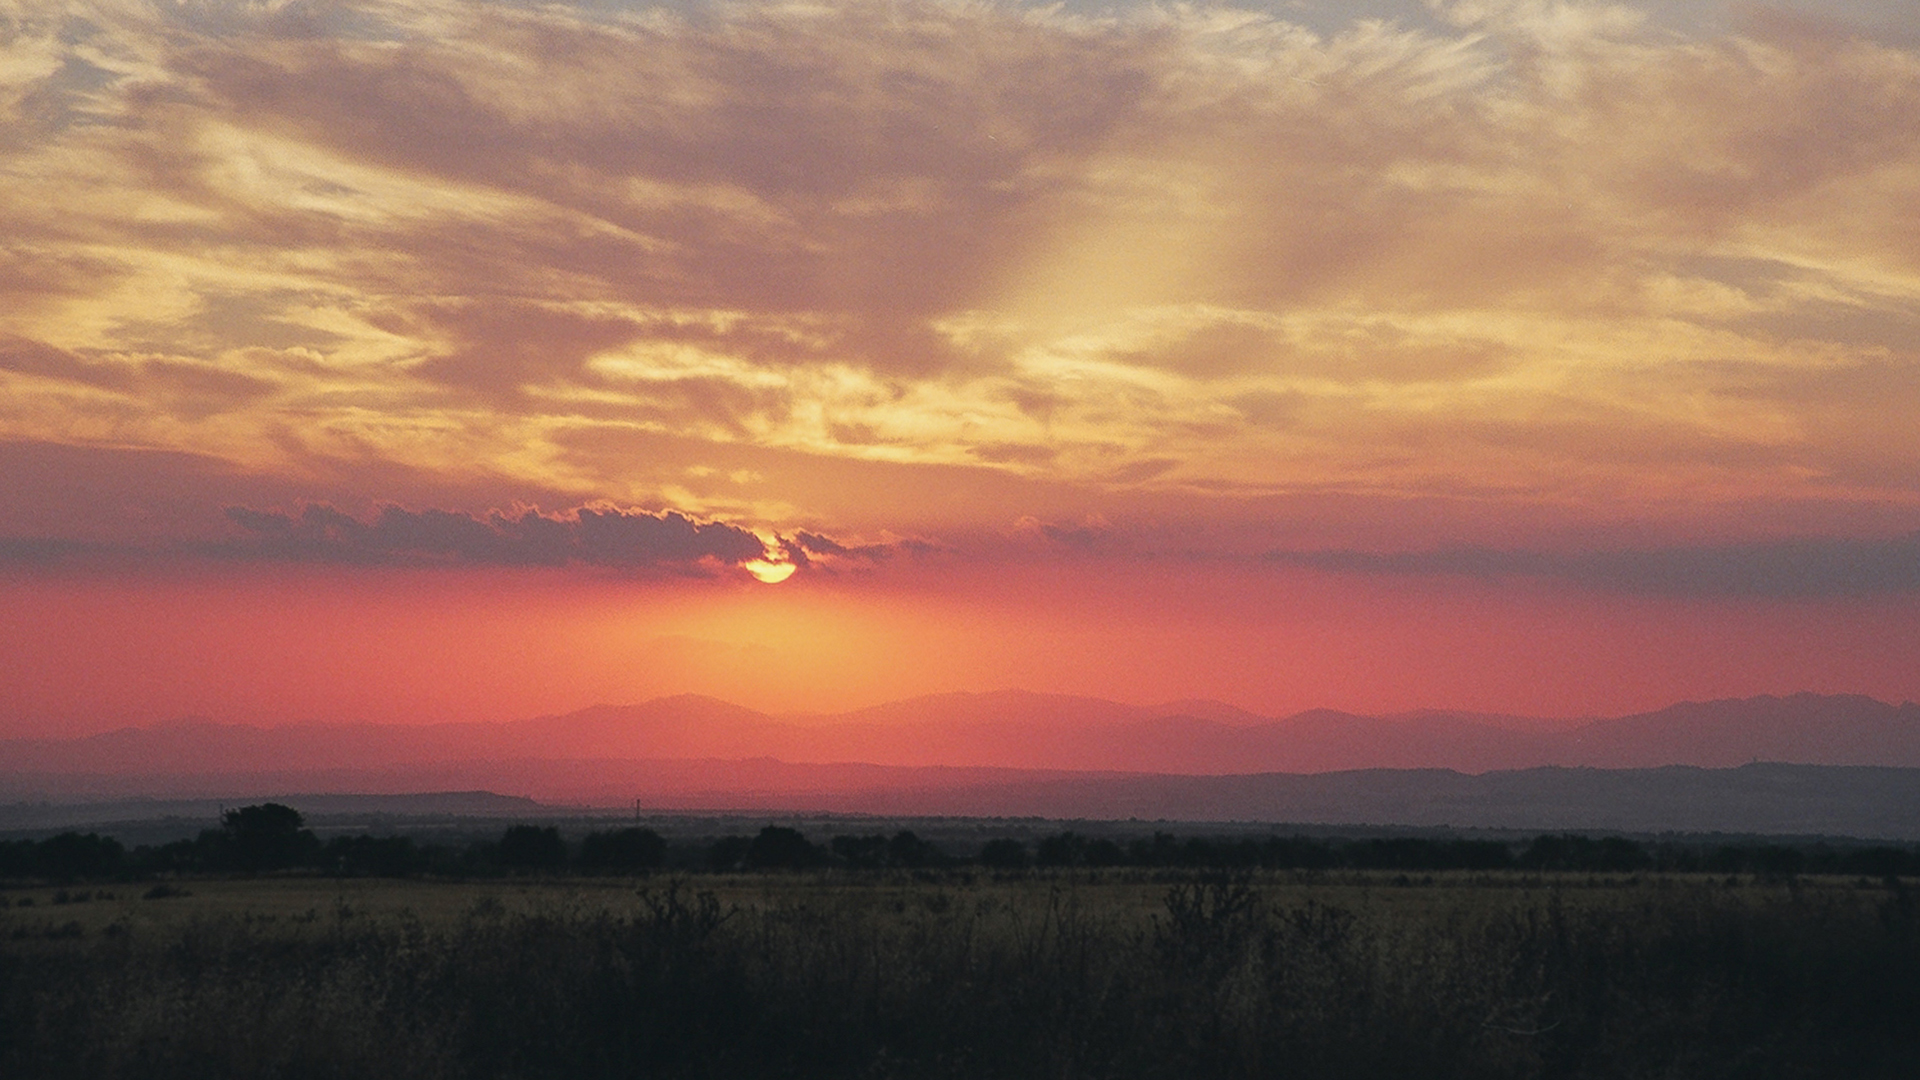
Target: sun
{"type": "Point", "coordinates": [773, 573]}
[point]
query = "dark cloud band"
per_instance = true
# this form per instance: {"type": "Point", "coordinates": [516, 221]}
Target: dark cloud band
{"type": "Point", "coordinates": [633, 539]}
{"type": "Point", "coordinates": [1788, 569]}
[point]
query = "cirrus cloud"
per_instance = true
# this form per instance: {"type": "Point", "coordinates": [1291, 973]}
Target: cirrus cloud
{"type": "Point", "coordinates": [1520, 254]}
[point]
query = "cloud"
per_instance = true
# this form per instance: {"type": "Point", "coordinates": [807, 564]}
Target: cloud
{"type": "Point", "coordinates": [588, 536]}
{"type": "Point", "coordinates": [1578, 255]}
{"type": "Point", "coordinates": [1820, 567]}
{"type": "Point", "coordinates": [811, 550]}
{"type": "Point", "coordinates": [37, 552]}
{"type": "Point", "coordinates": [174, 386]}
{"type": "Point", "coordinates": [1089, 535]}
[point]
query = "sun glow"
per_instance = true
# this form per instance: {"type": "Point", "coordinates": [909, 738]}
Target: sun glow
{"type": "Point", "coordinates": [772, 573]}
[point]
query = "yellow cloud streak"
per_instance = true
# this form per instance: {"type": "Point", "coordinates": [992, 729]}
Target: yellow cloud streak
{"type": "Point", "coordinates": [1548, 254]}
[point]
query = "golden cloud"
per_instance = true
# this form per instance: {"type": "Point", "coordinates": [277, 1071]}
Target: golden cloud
{"type": "Point", "coordinates": [1524, 252]}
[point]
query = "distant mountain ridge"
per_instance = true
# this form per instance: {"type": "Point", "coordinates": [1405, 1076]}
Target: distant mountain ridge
{"type": "Point", "coordinates": [1842, 765]}
{"type": "Point", "coordinates": [1027, 731]}
{"type": "Point", "coordinates": [1826, 800]}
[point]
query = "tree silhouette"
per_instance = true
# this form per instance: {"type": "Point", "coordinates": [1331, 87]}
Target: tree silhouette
{"type": "Point", "coordinates": [861, 852]}
{"type": "Point", "coordinates": [65, 857]}
{"type": "Point", "coordinates": [1060, 849]}
{"type": "Point", "coordinates": [1004, 854]}
{"type": "Point", "coordinates": [728, 852]}
{"type": "Point", "coordinates": [379, 856]}
{"type": "Point", "coordinates": [909, 851]}
{"type": "Point", "coordinates": [780, 848]}
{"type": "Point", "coordinates": [264, 837]}
{"type": "Point", "coordinates": [532, 847]}
{"type": "Point", "coordinates": [622, 850]}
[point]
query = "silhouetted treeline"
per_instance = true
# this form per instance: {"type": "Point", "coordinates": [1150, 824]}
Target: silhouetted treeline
{"type": "Point", "coordinates": [251, 839]}
{"type": "Point", "coordinates": [272, 838]}
{"type": "Point", "coordinates": [67, 857]}
{"type": "Point", "coordinates": [1546, 852]}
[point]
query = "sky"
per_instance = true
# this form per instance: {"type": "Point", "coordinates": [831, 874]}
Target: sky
{"type": "Point", "coordinates": [417, 360]}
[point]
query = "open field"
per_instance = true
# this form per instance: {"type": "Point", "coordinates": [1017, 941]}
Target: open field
{"type": "Point", "coordinates": [291, 903]}
{"type": "Point", "coordinates": [294, 901]}
{"type": "Point", "coordinates": [965, 973]}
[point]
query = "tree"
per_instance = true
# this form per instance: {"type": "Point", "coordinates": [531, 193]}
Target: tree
{"type": "Point", "coordinates": [1101, 851]}
{"type": "Point", "coordinates": [1004, 854]}
{"type": "Point", "coordinates": [910, 852]}
{"type": "Point", "coordinates": [1061, 849]}
{"type": "Point", "coordinates": [861, 852]}
{"type": "Point", "coordinates": [378, 856]}
{"type": "Point", "coordinates": [1571, 851]}
{"type": "Point", "coordinates": [728, 852]}
{"type": "Point", "coordinates": [532, 847]}
{"type": "Point", "coordinates": [17, 858]}
{"type": "Point", "coordinates": [264, 837]}
{"type": "Point", "coordinates": [623, 850]}
{"type": "Point", "coordinates": [903, 851]}
{"type": "Point", "coordinates": [72, 855]}
{"type": "Point", "coordinates": [781, 848]}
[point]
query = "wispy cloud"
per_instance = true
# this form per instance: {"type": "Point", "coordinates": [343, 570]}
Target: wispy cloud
{"type": "Point", "coordinates": [1526, 253]}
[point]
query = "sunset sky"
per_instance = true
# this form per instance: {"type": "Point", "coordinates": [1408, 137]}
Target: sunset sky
{"type": "Point", "coordinates": [442, 359]}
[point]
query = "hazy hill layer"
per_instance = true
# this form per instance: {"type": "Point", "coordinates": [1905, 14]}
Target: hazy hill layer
{"type": "Point", "coordinates": [1857, 801]}
{"type": "Point", "coordinates": [1017, 754]}
{"type": "Point", "coordinates": [1013, 730]}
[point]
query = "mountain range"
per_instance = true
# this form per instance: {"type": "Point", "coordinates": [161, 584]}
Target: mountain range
{"type": "Point", "coordinates": [1018, 730]}
{"type": "Point", "coordinates": [1808, 763]}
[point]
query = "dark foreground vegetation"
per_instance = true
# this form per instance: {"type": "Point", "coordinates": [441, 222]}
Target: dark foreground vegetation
{"type": "Point", "coordinates": [881, 956]}
{"type": "Point", "coordinates": [1134, 974]}
{"type": "Point", "coordinates": [884, 956]}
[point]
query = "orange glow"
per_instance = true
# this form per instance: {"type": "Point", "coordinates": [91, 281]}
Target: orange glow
{"type": "Point", "coordinates": [419, 647]}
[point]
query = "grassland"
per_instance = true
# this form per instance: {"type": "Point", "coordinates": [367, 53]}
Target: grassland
{"type": "Point", "coordinates": [964, 973]}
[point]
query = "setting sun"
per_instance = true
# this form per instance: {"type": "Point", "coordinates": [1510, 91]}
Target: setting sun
{"type": "Point", "coordinates": [772, 573]}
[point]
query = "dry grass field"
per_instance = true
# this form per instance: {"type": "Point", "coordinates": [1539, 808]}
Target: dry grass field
{"type": "Point", "coordinates": [964, 973]}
